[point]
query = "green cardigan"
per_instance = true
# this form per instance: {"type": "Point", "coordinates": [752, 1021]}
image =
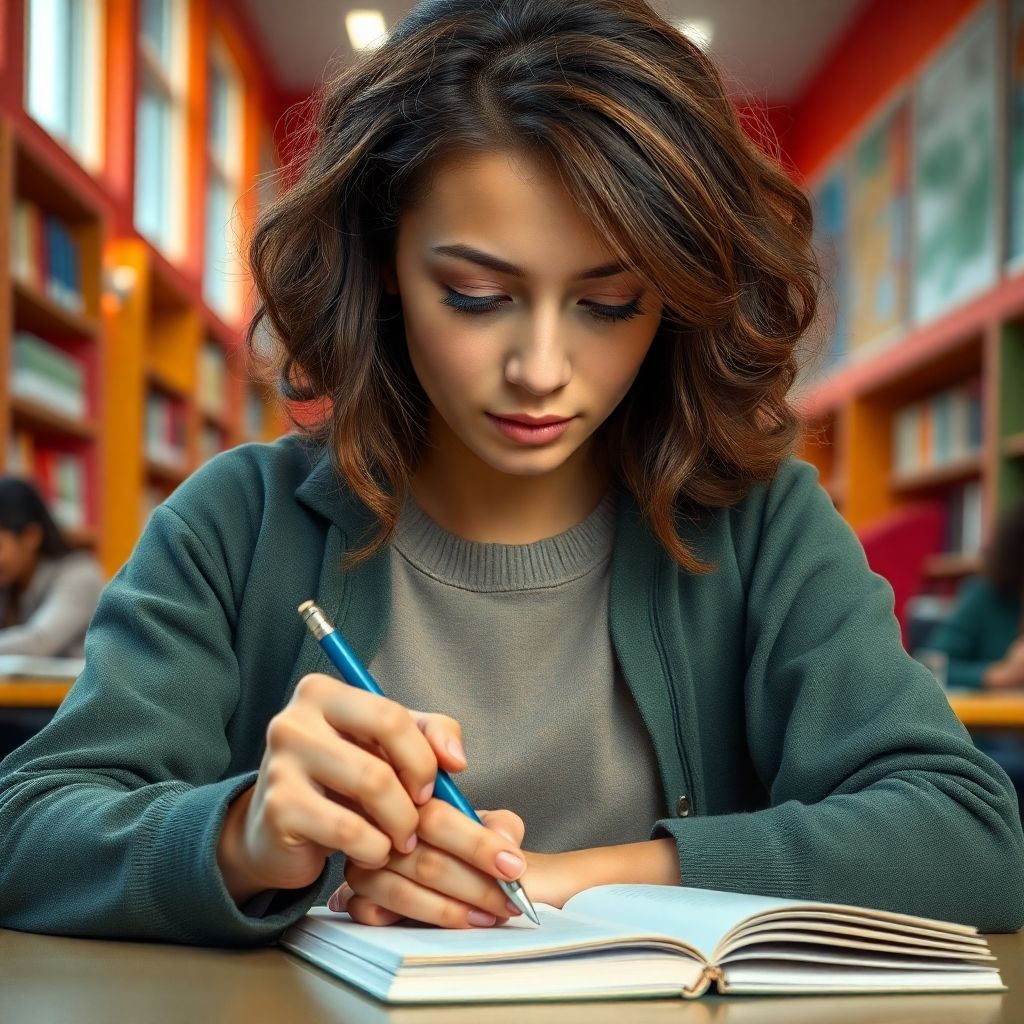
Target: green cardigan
{"type": "Point", "coordinates": [977, 633]}
{"type": "Point", "coordinates": [802, 751]}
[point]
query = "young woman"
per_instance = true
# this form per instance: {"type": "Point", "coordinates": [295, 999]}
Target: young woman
{"type": "Point", "coordinates": [551, 297]}
{"type": "Point", "coordinates": [48, 589]}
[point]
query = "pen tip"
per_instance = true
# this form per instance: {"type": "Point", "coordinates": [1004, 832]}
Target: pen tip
{"type": "Point", "coordinates": [304, 606]}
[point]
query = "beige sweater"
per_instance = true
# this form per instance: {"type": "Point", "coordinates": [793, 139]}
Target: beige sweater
{"type": "Point", "coordinates": [55, 608]}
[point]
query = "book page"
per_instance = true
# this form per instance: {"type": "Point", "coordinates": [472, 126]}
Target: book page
{"type": "Point", "coordinates": [699, 917]}
{"type": "Point", "coordinates": [413, 944]}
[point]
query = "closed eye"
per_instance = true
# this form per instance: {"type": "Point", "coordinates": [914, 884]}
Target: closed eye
{"type": "Point", "coordinates": [489, 303]}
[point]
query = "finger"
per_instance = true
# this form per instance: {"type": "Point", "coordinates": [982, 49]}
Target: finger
{"type": "Point", "coordinates": [370, 717]}
{"type": "Point", "coordinates": [365, 911]}
{"type": "Point", "coordinates": [444, 734]}
{"type": "Point", "coordinates": [394, 892]}
{"type": "Point", "coordinates": [347, 769]}
{"type": "Point", "coordinates": [443, 826]}
{"type": "Point", "coordinates": [442, 873]}
{"type": "Point", "coordinates": [506, 823]}
{"type": "Point", "coordinates": [302, 815]}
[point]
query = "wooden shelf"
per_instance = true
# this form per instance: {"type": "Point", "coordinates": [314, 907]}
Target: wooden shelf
{"type": "Point", "coordinates": [219, 420]}
{"type": "Point", "coordinates": [166, 472]}
{"type": "Point", "coordinates": [35, 311]}
{"type": "Point", "coordinates": [938, 476]}
{"type": "Point", "coordinates": [172, 389]}
{"type": "Point", "coordinates": [952, 565]}
{"type": "Point", "coordinates": [41, 417]}
{"type": "Point", "coordinates": [1013, 446]}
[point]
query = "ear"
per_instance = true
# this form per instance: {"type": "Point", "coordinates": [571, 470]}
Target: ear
{"type": "Point", "coordinates": [390, 279]}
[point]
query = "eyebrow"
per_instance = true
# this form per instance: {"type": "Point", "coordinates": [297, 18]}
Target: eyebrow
{"type": "Point", "coordinates": [483, 259]}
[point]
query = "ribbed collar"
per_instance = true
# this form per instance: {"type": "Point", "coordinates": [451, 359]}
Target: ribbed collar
{"type": "Point", "coordinates": [485, 566]}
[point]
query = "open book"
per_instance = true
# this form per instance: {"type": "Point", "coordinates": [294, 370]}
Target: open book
{"type": "Point", "coordinates": [633, 941]}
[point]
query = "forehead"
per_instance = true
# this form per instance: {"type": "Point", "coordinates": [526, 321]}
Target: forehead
{"type": "Point", "coordinates": [510, 204]}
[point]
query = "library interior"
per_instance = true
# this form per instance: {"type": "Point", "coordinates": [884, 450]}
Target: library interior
{"type": "Point", "coordinates": [141, 141]}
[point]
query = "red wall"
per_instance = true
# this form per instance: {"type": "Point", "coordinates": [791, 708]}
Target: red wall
{"type": "Point", "coordinates": [883, 48]}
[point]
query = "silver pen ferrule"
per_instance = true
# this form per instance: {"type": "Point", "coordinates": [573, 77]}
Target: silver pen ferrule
{"type": "Point", "coordinates": [315, 620]}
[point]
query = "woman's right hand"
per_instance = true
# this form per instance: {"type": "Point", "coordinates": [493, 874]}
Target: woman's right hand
{"type": "Point", "coordinates": [344, 770]}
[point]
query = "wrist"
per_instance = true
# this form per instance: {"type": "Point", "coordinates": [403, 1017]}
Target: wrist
{"type": "Point", "coordinates": [653, 862]}
{"type": "Point", "coordinates": [240, 880]}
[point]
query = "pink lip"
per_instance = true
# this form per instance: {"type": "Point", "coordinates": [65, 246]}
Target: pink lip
{"type": "Point", "coordinates": [544, 431]}
{"type": "Point", "coordinates": [532, 421]}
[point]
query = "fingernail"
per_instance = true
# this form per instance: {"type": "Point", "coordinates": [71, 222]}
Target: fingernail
{"type": "Point", "coordinates": [512, 908]}
{"type": "Point", "coordinates": [455, 749]}
{"type": "Point", "coordinates": [338, 900]}
{"type": "Point", "coordinates": [426, 792]}
{"type": "Point", "coordinates": [480, 919]}
{"type": "Point", "coordinates": [410, 844]}
{"type": "Point", "coordinates": [509, 863]}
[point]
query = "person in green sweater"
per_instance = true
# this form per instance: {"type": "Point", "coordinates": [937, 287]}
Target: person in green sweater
{"type": "Point", "coordinates": [550, 299]}
{"type": "Point", "coordinates": [983, 636]}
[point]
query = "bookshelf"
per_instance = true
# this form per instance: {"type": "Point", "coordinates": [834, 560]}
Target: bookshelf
{"type": "Point", "coordinates": [178, 385]}
{"type": "Point", "coordinates": [50, 267]}
{"type": "Point", "coordinates": [920, 410]}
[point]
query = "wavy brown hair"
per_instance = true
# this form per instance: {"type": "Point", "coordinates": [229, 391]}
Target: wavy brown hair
{"type": "Point", "coordinates": [634, 118]}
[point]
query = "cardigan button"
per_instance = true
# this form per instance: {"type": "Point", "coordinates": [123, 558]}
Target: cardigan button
{"type": "Point", "coordinates": [683, 806]}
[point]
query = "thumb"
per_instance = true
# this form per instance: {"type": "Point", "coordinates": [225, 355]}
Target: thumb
{"type": "Point", "coordinates": [444, 734]}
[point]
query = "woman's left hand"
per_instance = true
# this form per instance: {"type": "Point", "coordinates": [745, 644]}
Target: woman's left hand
{"type": "Point", "coordinates": [436, 887]}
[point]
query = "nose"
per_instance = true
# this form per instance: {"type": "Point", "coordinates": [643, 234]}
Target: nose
{"type": "Point", "coordinates": [538, 361]}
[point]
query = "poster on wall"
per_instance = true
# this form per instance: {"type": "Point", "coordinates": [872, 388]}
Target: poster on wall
{"type": "Point", "coordinates": [879, 232]}
{"type": "Point", "coordinates": [1015, 147]}
{"type": "Point", "coordinates": [955, 247]}
{"type": "Point", "coordinates": [829, 203]}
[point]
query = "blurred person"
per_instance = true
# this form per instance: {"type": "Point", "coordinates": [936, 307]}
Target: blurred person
{"type": "Point", "coordinates": [48, 589]}
{"type": "Point", "coordinates": [982, 635]}
{"type": "Point", "coordinates": [982, 638]}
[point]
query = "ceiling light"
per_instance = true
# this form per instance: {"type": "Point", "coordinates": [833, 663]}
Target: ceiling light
{"type": "Point", "coordinates": [699, 30]}
{"type": "Point", "coordinates": [366, 29]}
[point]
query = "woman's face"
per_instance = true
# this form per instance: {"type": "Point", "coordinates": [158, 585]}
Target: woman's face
{"type": "Point", "coordinates": [18, 553]}
{"type": "Point", "coordinates": [513, 307]}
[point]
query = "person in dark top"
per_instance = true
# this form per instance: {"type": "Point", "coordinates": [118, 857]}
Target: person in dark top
{"type": "Point", "coordinates": [48, 589]}
{"type": "Point", "coordinates": [983, 636]}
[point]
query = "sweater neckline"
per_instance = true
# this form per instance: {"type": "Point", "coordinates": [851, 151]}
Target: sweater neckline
{"type": "Point", "coordinates": [486, 566]}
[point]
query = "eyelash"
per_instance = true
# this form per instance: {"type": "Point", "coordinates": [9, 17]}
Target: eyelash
{"type": "Point", "coordinates": [467, 304]}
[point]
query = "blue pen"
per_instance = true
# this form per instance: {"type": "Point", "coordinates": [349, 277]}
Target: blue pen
{"type": "Point", "coordinates": [344, 660]}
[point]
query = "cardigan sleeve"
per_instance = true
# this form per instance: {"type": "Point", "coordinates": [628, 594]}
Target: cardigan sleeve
{"type": "Point", "coordinates": [111, 814]}
{"type": "Point", "coordinates": [876, 794]}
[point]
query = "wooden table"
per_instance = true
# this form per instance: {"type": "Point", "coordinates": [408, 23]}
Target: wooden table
{"type": "Point", "coordinates": [89, 981]}
{"type": "Point", "coordinates": [989, 709]}
{"type": "Point", "coordinates": [33, 693]}
{"type": "Point", "coordinates": [976, 709]}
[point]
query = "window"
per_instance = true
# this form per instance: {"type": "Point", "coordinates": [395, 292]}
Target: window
{"type": "Point", "coordinates": [221, 275]}
{"type": "Point", "coordinates": [64, 73]}
{"type": "Point", "coordinates": [160, 183]}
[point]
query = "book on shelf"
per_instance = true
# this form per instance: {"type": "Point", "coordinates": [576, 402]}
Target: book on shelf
{"type": "Point", "coordinates": [46, 255]}
{"type": "Point", "coordinates": [649, 941]}
{"type": "Point", "coordinates": [59, 475]}
{"type": "Point", "coordinates": [964, 525]}
{"type": "Point", "coordinates": [212, 379]}
{"type": "Point", "coordinates": [47, 374]}
{"type": "Point", "coordinates": [211, 441]}
{"type": "Point", "coordinates": [939, 430]}
{"type": "Point", "coordinates": [166, 430]}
